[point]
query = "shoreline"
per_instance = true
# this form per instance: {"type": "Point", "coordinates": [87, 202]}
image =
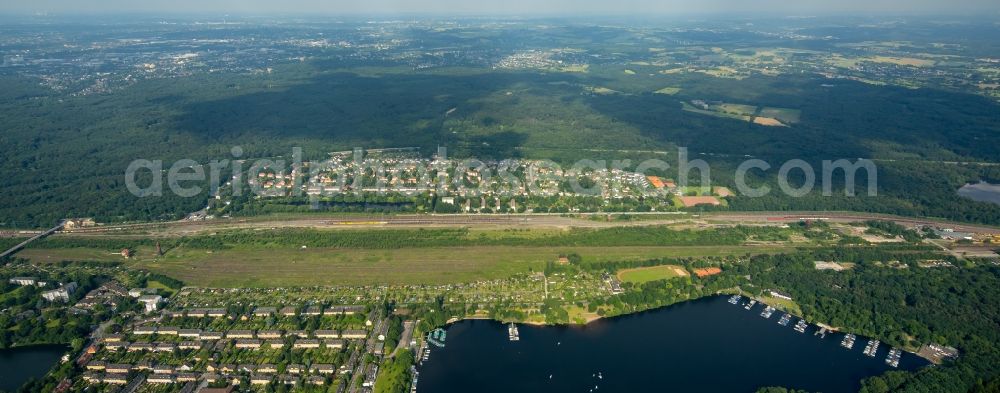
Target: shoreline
{"type": "Point", "coordinates": [830, 328]}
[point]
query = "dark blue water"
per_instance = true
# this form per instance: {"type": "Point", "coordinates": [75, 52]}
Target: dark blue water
{"type": "Point", "coordinates": [706, 345]}
{"type": "Point", "coordinates": [17, 365]}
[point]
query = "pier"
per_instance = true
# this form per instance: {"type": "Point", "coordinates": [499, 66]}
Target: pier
{"type": "Point", "coordinates": [848, 341]}
{"type": "Point", "coordinates": [437, 337]}
{"type": "Point", "coordinates": [768, 311]}
{"type": "Point", "coordinates": [801, 326]}
{"type": "Point", "coordinates": [893, 359]}
{"type": "Point", "coordinates": [512, 332]}
{"type": "Point", "coordinates": [871, 348]}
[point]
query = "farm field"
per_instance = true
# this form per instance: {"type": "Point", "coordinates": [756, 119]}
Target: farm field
{"type": "Point", "coordinates": [260, 267]}
{"type": "Point", "coordinates": [652, 273]}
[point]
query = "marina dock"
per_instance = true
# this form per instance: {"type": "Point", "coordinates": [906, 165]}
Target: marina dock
{"type": "Point", "coordinates": [871, 348]}
{"type": "Point", "coordinates": [437, 337]}
{"type": "Point", "coordinates": [801, 326]}
{"type": "Point", "coordinates": [768, 311]}
{"type": "Point", "coordinates": [893, 358]}
{"type": "Point", "coordinates": [512, 332]}
{"type": "Point", "coordinates": [848, 341]}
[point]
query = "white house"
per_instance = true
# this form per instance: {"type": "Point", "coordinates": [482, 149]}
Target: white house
{"type": "Point", "coordinates": [61, 294]}
{"type": "Point", "coordinates": [24, 281]}
{"type": "Point", "coordinates": [152, 302]}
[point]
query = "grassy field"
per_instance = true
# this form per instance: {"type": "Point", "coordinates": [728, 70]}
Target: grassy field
{"type": "Point", "coordinates": [693, 109]}
{"type": "Point", "coordinates": [263, 267]}
{"type": "Point", "coordinates": [159, 285]}
{"type": "Point", "coordinates": [652, 273]}
{"type": "Point", "coordinates": [736, 109]}
{"type": "Point", "coordinates": [783, 114]}
{"type": "Point", "coordinates": [53, 255]}
{"type": "Point", "coordinates": [782, 304]}
{"type": "Point", "coordinates": [668, 91]}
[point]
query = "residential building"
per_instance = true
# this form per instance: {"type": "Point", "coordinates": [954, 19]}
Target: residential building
{"type": "Point", "coordinates": [61, 294]}
{"type": "Point", "coordinates": [151, 302]}
{"type": "Point", "coordinates": [24, 281]}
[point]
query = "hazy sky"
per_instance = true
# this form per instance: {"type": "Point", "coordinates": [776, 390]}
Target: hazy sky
{"type": "Point", "coordinates": [506, 7]}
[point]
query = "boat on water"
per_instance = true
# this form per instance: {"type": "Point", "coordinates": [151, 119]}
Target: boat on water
{"type": "Point", "coordinates": [848, 341]}
{"type": "Point", "coordinates": [512, 332]}
{"type": "Point", "coordinates": [872, 348]}
{"type": "Point", "coordinates": [750, 304]}
{"type": "Point", "coordinates": [801, 326]}
{"type": "Point", "coordinates": [785, 319]}
{"type": "Point", "coordinates": [735, 299]}
{"type": "Point", "coordinates": [767, 312]}
{"type": "Point", "coordinates": [893, 358]}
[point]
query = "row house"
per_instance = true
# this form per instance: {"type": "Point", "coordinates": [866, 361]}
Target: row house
{"type": "Point", "coordinates": [239, 334]}
{"type": "Point", "coordinates": [248, 344]}
{"type": "Point", "coordinates": [276, 344]}
{"type": "Point", "coordinates": [264, 311]}
{"type": "Point", "coordinates": [210, 336]}
{"type": "Point", "coordinates": [308, 343]}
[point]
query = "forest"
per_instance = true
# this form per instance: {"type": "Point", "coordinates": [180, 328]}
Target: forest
{"type": "Point", "coordinates": [66, 156]}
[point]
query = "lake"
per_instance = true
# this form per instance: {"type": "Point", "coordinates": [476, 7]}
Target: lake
{"type": "Point", "coordinates": [19, 364]}
{"type": "Point", "coordinates": [982, 192]}
{"type": "Point", "coordinates": [705, 345]}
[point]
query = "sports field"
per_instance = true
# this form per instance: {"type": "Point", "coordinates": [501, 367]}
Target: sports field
{"type": "Point", "coordinates": [652, 273]}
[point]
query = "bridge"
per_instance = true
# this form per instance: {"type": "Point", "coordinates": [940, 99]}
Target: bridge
{"type": "Point", "coordinates": [21, 245]}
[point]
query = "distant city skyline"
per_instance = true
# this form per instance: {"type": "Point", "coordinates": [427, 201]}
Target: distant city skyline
{"type": "Point", "coordinates": [510, 7]}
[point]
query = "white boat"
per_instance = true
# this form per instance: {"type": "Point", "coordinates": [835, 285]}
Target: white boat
{"type": "Point", "coordinates": [512, 332]}
{"type": "Point", "coordinates": [893, 358]}
{"type": "Point", "coordinates": [848, 341]}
